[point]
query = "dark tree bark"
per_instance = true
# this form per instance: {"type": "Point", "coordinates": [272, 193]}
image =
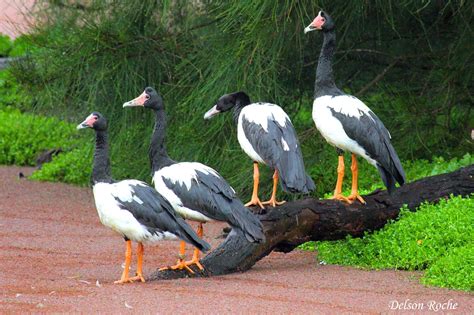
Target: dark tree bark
{"type": "Point", "coordinates": [310, 219]}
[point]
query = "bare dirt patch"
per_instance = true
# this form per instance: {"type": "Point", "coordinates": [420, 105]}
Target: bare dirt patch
{"type": "Point", "coordinates": [57, 257]}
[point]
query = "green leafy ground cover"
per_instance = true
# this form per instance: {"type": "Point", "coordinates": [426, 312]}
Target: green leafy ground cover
{"type": "Point", "coordinates": [437, 238]}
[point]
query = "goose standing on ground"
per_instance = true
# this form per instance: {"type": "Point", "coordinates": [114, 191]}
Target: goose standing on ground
{"type": "Point", "coordinates": [347, 123]}
{"type": "Point", "coordinates": [196, 191]}
{"type": "Point", "coordinates": [131, 207]}
{"type": "Point", "coordinates": [266, 134]}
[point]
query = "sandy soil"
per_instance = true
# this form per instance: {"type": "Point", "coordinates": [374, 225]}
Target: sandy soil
{"type": "Point", "coordinates": [57, 257]}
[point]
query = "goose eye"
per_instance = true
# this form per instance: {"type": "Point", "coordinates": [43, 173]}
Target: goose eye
{"type": "Point", "coordinates": [147, 96]}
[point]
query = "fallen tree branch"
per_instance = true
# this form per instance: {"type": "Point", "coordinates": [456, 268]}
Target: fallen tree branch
{"type": "Point", "coordinates": [310, 219]}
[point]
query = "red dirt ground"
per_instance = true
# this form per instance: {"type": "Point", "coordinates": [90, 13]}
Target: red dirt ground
{"type": "Point", "coordinates": [57, 257]}
{"type": "Point", "coordinates": [13, 19]}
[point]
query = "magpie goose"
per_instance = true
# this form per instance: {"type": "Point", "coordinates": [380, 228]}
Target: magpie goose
{"type": "Point", "coordinates": [196, 191]}
{"type": "Point", "coordinates": [132, 208]}
{"type": "Point", "coordinates": [347, 123]}
{"type": "Point", "coordinates": [267, 135]}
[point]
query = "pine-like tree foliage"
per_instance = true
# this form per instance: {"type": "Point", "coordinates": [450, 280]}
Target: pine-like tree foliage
{"type": "Point", "coordinates": [410, 61]}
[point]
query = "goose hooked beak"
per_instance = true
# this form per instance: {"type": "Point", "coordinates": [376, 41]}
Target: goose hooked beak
{"type": "Point", "coordinates": [87, 123]}
{"type": "Point", "coordinates": [139, 101]}
{"type": "Point", "coordinates": [317, 24]}
{"type": "Point", "coordinates": [82, 125]}
{"type": "Point", "coordinates": [212, 112]}
{"type": "Point", "coordinates": [309, 28]}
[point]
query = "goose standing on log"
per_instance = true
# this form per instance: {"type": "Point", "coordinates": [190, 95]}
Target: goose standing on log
{"type": "Point", "coordinates": [132, 208]}
{"type": "Point", "coordinates": [266, 134]}
{"type": "Point", "coordinates": [196, 191]}
{"type": "Point", "coordinates": [347, 123]}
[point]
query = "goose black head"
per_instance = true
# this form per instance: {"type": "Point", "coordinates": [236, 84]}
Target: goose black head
{"type": "Point", "coordinates": [95, 121]}
{"type": "Point", "coordinates": [227, 102]}
{"type": "Point", "coordinates": [150, 98]}
{"type": "Point", "coordinates": [322, 22]}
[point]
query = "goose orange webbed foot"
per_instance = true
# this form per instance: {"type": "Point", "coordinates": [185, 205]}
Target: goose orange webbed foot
{"type": "Point", "coordinates": [195, 261]}
{"type": "Point", "coordinates": [181, 264]}
{"type": "Point", "coordinates": [342, 198]}
{"type": "Point", "coordinates": [255, 201]}
{"type": "Point", "coordinates": [355, 196]}
{"type": "Point", "coordinates": [130, 280]}
{"type": "Point", "coordinates": [273, 202]}
{"type": "Point", "coordinates": [138, 277]}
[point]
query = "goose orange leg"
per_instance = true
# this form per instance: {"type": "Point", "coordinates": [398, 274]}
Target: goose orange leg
{"type": "Point", "coordinates": [355, 173]}
{"type": "Point", "coordinates": [255, 201]}
{"type": "Point", "coordinates": [195, 259]}
{"type": "Point", "coordinates": [340, 176]}
{"type": "Point", "coordinates": [273, 202]}
{"type": "Point", "coordinates": [181, 264]}
{"type": "Point", "coordinates": [128, 258]}
{"type": "Point", "coordinates": [139, 276]}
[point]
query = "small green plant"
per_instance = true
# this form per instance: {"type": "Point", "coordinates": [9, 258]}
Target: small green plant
{"type": "Point", "coordinates": [416, 241]}
{"type": "Point", "coordinates": [423, 168]}
{"type": "Point", "coordinates": [21, 46]}
{"type": "Point", "coordinates": [24, 136]}
{"type": "Point", "coordinates": [72, 167]}
{"type": "Point", "coordinates": [5, 45]}
{"type": "Point", "coordinates": [454, 270]}
{"type": "Point", "coordinates": [10, 92]}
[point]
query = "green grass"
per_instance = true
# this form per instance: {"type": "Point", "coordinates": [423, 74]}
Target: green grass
{"type": "Point", "coordinates": [426, 239]}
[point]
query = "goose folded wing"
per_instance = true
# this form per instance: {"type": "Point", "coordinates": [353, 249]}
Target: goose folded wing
{"type": "Point", "coordinates": [147, 206]}
{"type": "Point", "coordinates": [209, 194]}
{"type": "Point", "coordinates": [369, 132]}
{"type": "Point", "coordinates": [271, 142]}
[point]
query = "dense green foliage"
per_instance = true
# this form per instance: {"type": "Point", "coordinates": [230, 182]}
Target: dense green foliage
{"type": "Point", "coordinates": [431, 238]}
{"type": "Point", "coordinates": [97, 55]}
{"type": "Point", "coordinates": [24, 136]}
{"type": "Point", "coordinates": [454, 270]}
{"type": "Point", "coordinates": [73, 167]}
{"type": "Point", "coordinates": [10, 93]}
{"type": "Point", "coordinates": [5, 45]}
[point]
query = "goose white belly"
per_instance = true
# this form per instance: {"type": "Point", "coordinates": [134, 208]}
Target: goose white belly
{"type": "Point", "coordinates": [120, 220]}
{"type": "Point", "coordinates": [331, 128]}
{"type": "Point", "coordinates": [184, 173]}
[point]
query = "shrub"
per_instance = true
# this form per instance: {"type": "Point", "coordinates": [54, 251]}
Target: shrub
{"type": "Point", "coordinates": [24, 136]}
{"type": "Point", "coordinates": [10, 92]}
{"type": "Point", "coordinates": [21, 46]}
{"type": "Point", "coordinates": [72, 167]}
{"type": "Point", "coordinates": [5, 45]}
